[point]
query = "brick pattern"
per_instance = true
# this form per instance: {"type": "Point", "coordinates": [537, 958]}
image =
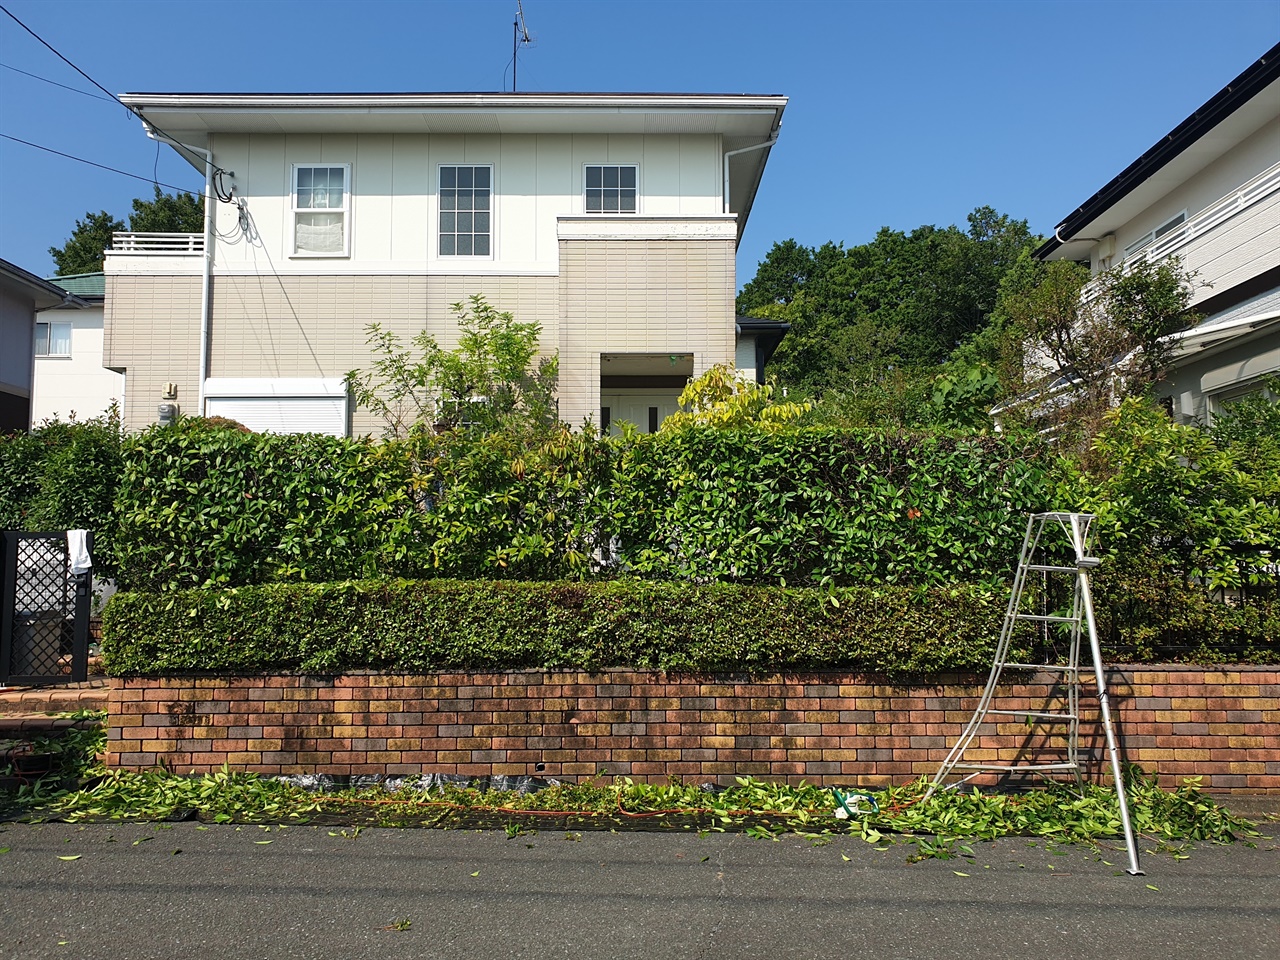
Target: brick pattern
{"type": "Point", "coordinates": [1222, 725]}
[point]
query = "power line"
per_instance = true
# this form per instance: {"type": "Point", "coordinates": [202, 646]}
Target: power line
{"type": "Point", "coordinates": [100, 166]}
{"type": "Point", "coordinates": [45, 43]}
{"type": "Point", "coordinates": [83, 93]}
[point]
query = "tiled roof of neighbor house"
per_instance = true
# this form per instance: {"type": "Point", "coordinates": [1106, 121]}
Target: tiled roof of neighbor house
{"type": "Point", "coordinates": [82, 284]}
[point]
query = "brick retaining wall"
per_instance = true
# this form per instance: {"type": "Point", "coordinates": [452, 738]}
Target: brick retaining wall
{"type": "Point", "coordinates": [827, 728]}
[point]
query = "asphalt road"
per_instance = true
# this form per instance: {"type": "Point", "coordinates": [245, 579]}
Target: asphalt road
{"type": "Point", "coordinates": [179, 891]}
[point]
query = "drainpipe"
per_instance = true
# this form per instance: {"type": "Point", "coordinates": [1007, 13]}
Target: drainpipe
{"type": "Point", "coordinates": [734, 153]}
{"type": "Point", "coordinates": [208, 254]}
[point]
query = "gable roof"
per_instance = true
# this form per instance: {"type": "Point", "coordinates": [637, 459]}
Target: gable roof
{"type": "Point", "coordinates": [1237, 110]}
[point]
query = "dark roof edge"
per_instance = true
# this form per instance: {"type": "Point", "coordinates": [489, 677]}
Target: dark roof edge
{"type": "Point", "coordinates": [1217, 108]}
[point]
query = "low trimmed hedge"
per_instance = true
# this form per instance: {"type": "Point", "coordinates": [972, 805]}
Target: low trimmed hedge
{"type": "Point", "coordinates": [418, 626]}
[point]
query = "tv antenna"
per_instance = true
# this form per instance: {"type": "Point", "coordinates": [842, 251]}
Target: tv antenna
{"type": "Point", "coordinates": [519, 35]}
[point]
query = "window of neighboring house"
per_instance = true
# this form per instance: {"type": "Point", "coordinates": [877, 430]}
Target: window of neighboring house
{"type": "Point", "coordinates": [466, 211]}
{"type": "Point", "coordinates": [611, 188]}
{"type": "Point", "coordinates": [1171, 224]}
{"type": "Point", "coordinates": [321, 209]}
{"type": "Point", "coordinates": [53, 339]}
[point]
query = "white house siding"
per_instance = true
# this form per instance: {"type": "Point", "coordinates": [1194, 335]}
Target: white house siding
{"type": "Point", "coordinates": [1259, 152]}
{"type": "Point", "coordinates": [394, 178]}
{"type": "Point", "coordinates": [79, 383]}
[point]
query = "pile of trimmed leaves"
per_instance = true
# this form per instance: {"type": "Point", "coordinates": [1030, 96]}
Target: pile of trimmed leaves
{"type": "Point", "coordinates": [87, 792]}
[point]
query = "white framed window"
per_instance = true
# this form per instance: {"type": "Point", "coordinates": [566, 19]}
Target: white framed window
{"type": "Point", "coordinates": [610, 188]}
{"type": "Point", "coordinates": [321, 209]}
{"type": "Point", "coordinates": [465, 219]}
{"type": "Point", "coordinates": [1172, 223]}
{"type": "Point", "coordinates": [53, 339]}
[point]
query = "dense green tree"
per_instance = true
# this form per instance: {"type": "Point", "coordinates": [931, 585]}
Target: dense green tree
{"type": "Point", "coordinates": [884, 312]}
{"type": "Point", "coordinates": [166, 213]}
{"type": "Point", "coordinates": [83, 251]}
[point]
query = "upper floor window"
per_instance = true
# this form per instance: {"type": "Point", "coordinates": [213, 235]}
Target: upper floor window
{"type": "Point", "coordinates": [466, 225]}
{"type": "Point", "coordinates": [53, 339]}
{"type": "Point", "coordinates": [321, 206]}
{"type": "Point", "coordinates": [1171, 224]}
{"type": "Point", "coordinates": [610, 188]}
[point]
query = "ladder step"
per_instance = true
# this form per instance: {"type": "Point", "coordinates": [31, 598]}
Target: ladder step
{"type": "Point", "coordinates": [1044, 568]}
{"type": "Point", "coordinates": [1012, 768]}
{"type": "Point", "coordinates": [1041, 618]}
{"type": "Point", "coordinates": [1035, 713]}
{"type": "Point", "coordinates": [1048, 667]}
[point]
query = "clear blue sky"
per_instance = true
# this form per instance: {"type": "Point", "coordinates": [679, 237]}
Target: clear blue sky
{"type": "Point", "coordinates": [901, 113]}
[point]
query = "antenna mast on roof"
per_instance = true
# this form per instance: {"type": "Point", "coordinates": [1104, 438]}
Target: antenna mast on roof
{"type": "Point", "coordinates": [519, 35]}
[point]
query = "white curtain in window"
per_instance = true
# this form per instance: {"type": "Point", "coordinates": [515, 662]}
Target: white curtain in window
{"type": "Point", "coordinates": [60, 339]}
{"type": "Point", "coordinates": [319, 233]}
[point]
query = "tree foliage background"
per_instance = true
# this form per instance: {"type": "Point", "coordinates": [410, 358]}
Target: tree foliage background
{"type": "Point", "coordinates": [86, 248]}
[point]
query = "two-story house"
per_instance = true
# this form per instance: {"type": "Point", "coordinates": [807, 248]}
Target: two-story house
{"type": "Point", "coordinates": [610, 219]}
{"type": "Point", "coordinates": [1209, 193]}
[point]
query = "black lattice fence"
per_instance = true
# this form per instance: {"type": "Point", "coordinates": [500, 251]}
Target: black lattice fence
{"type": "Point", "coordinates": [44, 611]}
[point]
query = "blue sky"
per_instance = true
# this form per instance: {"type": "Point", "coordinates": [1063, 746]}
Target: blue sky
{"type": "Point", "coordinates": [901, 113]}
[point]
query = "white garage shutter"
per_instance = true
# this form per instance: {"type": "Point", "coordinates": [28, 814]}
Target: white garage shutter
{"type": "Point", "coordinates": [280, 405]}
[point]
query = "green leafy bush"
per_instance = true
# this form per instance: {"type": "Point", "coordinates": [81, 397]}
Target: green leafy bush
{"type": "Point", "coordinates": [205, 507]}
{"type": "Point", "coordinates": [63, 476]}
{"type": "Point", "coordinates": [1171, 501]}
{"type": "Point", "coordinates": [201, 505]}
{"type": "Point", "coordinates": [848, 507]}
{"type": "Point", "coordinates": [436, 625]}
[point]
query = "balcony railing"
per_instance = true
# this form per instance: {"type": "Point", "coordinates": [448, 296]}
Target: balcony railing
{"type": "Point", "coordinates": [1214, 215]}
{"type": "Point", "coordinates": [157, 244]}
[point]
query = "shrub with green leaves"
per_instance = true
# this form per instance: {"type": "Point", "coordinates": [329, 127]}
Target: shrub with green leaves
{"type": "Point", "coordinates": [845, 507]}
{"type": "Point", "coordinates": [201, 505]}
{"type": "Point", "coordinates": [63, 476]}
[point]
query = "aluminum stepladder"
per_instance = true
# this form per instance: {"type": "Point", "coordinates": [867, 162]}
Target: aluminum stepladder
{"type": "Point", "coordinates": [1041, 547]}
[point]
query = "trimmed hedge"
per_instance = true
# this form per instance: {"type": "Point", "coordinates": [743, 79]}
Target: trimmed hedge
{"type": "Point", "coordinates": [418, 626]}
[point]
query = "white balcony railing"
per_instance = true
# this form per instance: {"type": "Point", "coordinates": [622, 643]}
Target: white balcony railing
{"type": "Point", "coordinates": [1212, 216]}
{"type": "Point", "coordinates": [157, 244]}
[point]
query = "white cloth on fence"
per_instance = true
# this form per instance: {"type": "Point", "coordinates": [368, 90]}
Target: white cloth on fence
{"type": "Point", "coordinates": [78, 551]}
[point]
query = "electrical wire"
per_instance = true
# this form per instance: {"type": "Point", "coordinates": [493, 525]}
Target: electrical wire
{"type": "Point", "coordinates": [100, 166]}
{"type": "Point", "coordinates": [33, 76]}
{"type": "Point", "coordinates": [45, 43]}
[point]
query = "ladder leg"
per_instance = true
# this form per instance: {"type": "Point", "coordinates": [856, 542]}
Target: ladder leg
{"type": "Point", "coordinates": [1104, 701]}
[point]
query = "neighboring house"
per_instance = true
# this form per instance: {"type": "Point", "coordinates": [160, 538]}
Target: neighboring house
{"type": "Point", "coordinates": [610, 219]}
{"type": "Point", "coordinates": [69, 376]}
{"type": "Point", "coordinates": [1209, 193]}
{"type": "Point", "coordinates": [22, 296]}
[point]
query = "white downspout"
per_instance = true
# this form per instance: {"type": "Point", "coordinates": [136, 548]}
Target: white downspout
{"type": "Point", "coordinates": [208, 255]}
{"type": "Point", "coordinates": [734, 153]}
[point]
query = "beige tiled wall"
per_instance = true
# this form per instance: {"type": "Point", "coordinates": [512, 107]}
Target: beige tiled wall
{"type": "Point", "coordinates": [153, 330]}
{"type": "Point", "coordinates": [640, 296]}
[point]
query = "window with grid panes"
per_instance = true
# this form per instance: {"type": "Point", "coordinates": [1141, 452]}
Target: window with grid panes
{"type": "Point", "coordinates": [320, 202]}
{"type": "Point", "coordinates": [466, 200]}
{"type": "Point", "coordinates": [610, 188]}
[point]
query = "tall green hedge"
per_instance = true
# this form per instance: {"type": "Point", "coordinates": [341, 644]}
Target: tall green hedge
{"type": "Point", "coordinates": [63, 476]}
{"type": "Point", "coordinates": [840, 506]}
{"type": "Point", "coordinates": [201, 507]}
{"type": "Point", "coordinates": [443, 624]}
